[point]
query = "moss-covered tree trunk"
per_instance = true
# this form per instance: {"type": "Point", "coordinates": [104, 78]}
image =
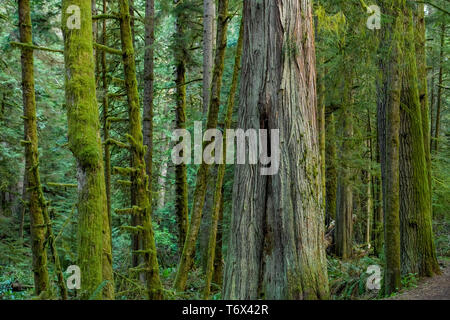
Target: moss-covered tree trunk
{"type": "Point", "coordinates": [378, 234]}
{"type": "Point", "coordinates": [187, 256]}
{"type": "Point", "coordinates": [94, 248]}
{"type": "Point", "coordinates": [35, 196]}
{"type": "Point", "coordinates": [218, 193]}
{"type": "Point", "coordinates": [389, 90]}
{"type": "Point", "coordinates": [276, 248]}
{"type": "Point", "coordinates": [138, 170]}
{"type": "Point", "coordinates": [148, 88]}
{"type": "Point", "coordinates": [218, 257]}
{"type": "Point", "coordinates": [369, 182]}
{"type": "Point", "coordinates": [418, 254]}
{"type": "Point", "coordinates": [181, 189]}
{"type": "Point", "coordinates": [106, 123]}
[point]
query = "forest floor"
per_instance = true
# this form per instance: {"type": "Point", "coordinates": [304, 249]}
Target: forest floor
{"type": "Point", "coordinates": [435, 288]}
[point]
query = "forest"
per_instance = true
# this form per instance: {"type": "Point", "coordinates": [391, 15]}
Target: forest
{"type": "Point", "coordinates": [224, 149]}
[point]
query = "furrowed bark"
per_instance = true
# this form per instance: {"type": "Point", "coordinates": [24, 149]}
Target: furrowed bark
{"type": "Point", "coordinates": [276, 248]}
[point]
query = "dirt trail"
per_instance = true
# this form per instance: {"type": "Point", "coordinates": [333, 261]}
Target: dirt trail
{"type": "Point", "coordinates": [435, 288]}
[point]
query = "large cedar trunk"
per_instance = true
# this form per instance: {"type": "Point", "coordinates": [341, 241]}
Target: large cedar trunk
{"type": "Point", "coordinates": [276, 248]}
{"type": "Point", "coordinates": [418, 253]}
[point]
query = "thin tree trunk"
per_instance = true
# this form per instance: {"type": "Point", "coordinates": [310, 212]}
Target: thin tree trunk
{"type": "Point", "coordinates": [187, 256]}
{"type": "Point", "coordinates": [181, 189]}
{"type": "Point", "coordinates": [378, 235]}
{"type": "Point", "coordinates": [148, 87]}
{"type": "Point", "coordinates": [52, 245]}
{"type": "Point", "coordinates": [439, 93]}
{"type": "Point", "coordinates": [369, 183]}
{"type": "Point", "coordinates": [35, 196]}
{"type": "Point", "coordinates": [344, 207]}
{"type": "Point", "coordinates": [106, 124]}
{"type": "Point", "coordinates": [147, 118]}
{"type": "Point", "coordinates": [331, 172]}
{"type": "Point", "coordinates": [433, 85]}
{"type": "Point", "coordinates": [94, 255]}
{"type": "Point", "coordinates": [209, 15]}
{"type": "Point", "coordinates": [218, 194]}
{"type": "Point", "coordinates": [322, 131]}
{"type": "Point", "coordinates": [138, 169]}
{"type": "Point", "coordinates": [422, 74]}
{"type": "Point", "coordinates": [276, 248]}
{"type": "Point", "coordinates": [218, 258]}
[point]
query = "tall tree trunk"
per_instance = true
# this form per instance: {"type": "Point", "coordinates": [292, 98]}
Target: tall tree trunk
{"type": "Point", "coordinates": [148, 88]}
{"type": "Point", "coordinates": [106, 123]}
{"type": "Point", "coordinates": [422, 75]}
{"type": "Point", "coordinates": [369, 182]}
{"type": "Point", "coordinates": [322, 133]}
{"type": "Point", "coordinates": [136, 238]}
{"type": "Point", "coordinates": [35, 196]}
{"type": "Point", "coordinates": [187, 255]}
{"type": "Point", "coordinates": [418, 254]}
{"type": "Point", "coordinates": [218, 194]}
{"type": "Point", "coordinates": [378, 235]}
{"type": "Point", "coordinates": [181, 188]}
{"type": "Point", "coordinates": [439, 93]}
{"type": "Point", "coordinates": [218, 257]}
{"type": "Point", "coordinates": [209, 15]}
{"type": "Point", "coordinates": [94, 255]}
{"type": "Point", "coordinates": [388, 130]}
{"type": "Point", "coordinates": [138, 169]}
{"type": "Point", "coordinates": [433, 85]}
{"type": "Point", "coordinates": [276, 248]}
{"type": "Point", "coordinates": [147, 118]}
{"type": "Point", "coordinates": [331, 172]}
{"type": "Point", "coordinates": [344, 207]}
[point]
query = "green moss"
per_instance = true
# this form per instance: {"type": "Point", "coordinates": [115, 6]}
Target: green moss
{"type": "Point", "coordinates": [94, 233]}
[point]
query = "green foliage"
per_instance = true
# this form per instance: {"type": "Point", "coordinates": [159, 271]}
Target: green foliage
{"type": "Point", "coordinates": [348, 279]}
